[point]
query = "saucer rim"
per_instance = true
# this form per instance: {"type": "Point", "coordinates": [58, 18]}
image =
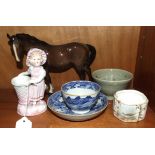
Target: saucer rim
{"type": "Point", "coordinates": [76, 114]}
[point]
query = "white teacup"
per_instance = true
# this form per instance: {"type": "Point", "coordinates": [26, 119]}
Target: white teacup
{"type": "Point", "coordinates": [130, 105]}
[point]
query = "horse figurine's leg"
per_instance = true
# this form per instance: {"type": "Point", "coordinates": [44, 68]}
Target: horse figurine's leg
{"type": "Point", "coordinates": [88, 71]}
{"type": "Point", "coordinates": [82, 75]}
{"type": "Point", "coordinates": [92, 55]}
{"type": "Point", "coordinates": [48, 82]}
{"type": "Point", "coordinates": [81, 72]}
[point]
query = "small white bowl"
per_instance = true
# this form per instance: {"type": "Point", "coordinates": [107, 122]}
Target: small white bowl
{"type": "Point", "coordinates": [130, 105]}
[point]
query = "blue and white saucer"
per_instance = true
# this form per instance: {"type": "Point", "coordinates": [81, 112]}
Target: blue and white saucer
{"type": "Point", "coordinates": [56, 104]}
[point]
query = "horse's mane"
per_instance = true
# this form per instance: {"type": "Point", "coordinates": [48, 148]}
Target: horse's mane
{"type": "Point", "coordinates": [32, 39]}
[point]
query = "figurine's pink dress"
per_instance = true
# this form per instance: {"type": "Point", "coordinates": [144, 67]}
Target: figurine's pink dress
{"type": "Point", "coordinates": [34, 104]}
{"type": "Point", "coordinates": [36, 91]}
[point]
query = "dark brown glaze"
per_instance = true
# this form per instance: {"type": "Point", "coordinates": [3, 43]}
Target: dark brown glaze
{"type": "Point", "coordinates": [59, 57]}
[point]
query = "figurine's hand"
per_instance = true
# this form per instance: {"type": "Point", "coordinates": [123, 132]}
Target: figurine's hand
{"type": "Point", "coordinates": [27, 83]}
{"type": "Point", "coordinates": [33, 82]}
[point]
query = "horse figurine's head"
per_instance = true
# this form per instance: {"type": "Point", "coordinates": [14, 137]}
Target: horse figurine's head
{"type": "Point", "coordinates": [16, 50]}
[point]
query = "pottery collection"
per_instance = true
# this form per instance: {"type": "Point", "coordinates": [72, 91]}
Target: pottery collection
{"type": "Point", "coordinates": [83, 100]}
{"type": "Point", "coordinates": [76, 100]}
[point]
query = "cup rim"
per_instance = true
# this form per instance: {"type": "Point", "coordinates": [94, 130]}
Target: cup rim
{"type": "Point", "coordinates": [80, 81]}
{"type": "Point", "coordinates": [131, 90]}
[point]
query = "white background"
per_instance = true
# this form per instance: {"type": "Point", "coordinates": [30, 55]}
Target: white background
{"type": "Point", "coordinates": [77, 12]}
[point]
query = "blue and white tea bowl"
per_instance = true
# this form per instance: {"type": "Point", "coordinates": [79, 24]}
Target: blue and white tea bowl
{"type": "Point", "coordinates": [57, 105]}
{"type": "Point", "coordinates": [80, 96]}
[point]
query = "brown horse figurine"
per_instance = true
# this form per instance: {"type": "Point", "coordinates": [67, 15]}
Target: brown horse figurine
{"type": "Point", "coordinates": [59, 57]}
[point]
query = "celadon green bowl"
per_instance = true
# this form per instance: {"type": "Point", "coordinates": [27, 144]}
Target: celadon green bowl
{"type": "Point", "coordinates": [112, 80]}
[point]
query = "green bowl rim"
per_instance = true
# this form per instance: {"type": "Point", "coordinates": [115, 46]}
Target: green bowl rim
{"type": "Point", "coordinates": [93, 75]}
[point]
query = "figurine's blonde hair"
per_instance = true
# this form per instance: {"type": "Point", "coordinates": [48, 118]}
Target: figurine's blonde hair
{"type": "Point", "coordinates": [38, 51]}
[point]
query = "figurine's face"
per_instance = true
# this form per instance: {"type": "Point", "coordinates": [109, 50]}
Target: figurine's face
{"type": "Point", "coordinates": [35, 59]}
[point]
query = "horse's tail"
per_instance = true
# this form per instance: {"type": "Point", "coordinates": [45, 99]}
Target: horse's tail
{"type": "Point", "coordinates": [92, 54]}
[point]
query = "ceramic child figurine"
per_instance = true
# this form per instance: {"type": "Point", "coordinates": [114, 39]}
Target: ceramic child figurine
{"type": "Point", "coordinates": [30, 85]}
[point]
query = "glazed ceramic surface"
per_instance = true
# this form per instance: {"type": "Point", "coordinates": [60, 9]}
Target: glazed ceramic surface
{"type": "Point", "coordinates": [112, 80]}
{"type": "Point", "coordinates": [80, 96]}
{"type": "Point", "coordinates": [24, 108]}
{"type": "Point", "coordinates": [58, 106]}
{"type": "Point", "coordinates": [130, 105]}
{"type": "Point", "coordinates": [71, 55]}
